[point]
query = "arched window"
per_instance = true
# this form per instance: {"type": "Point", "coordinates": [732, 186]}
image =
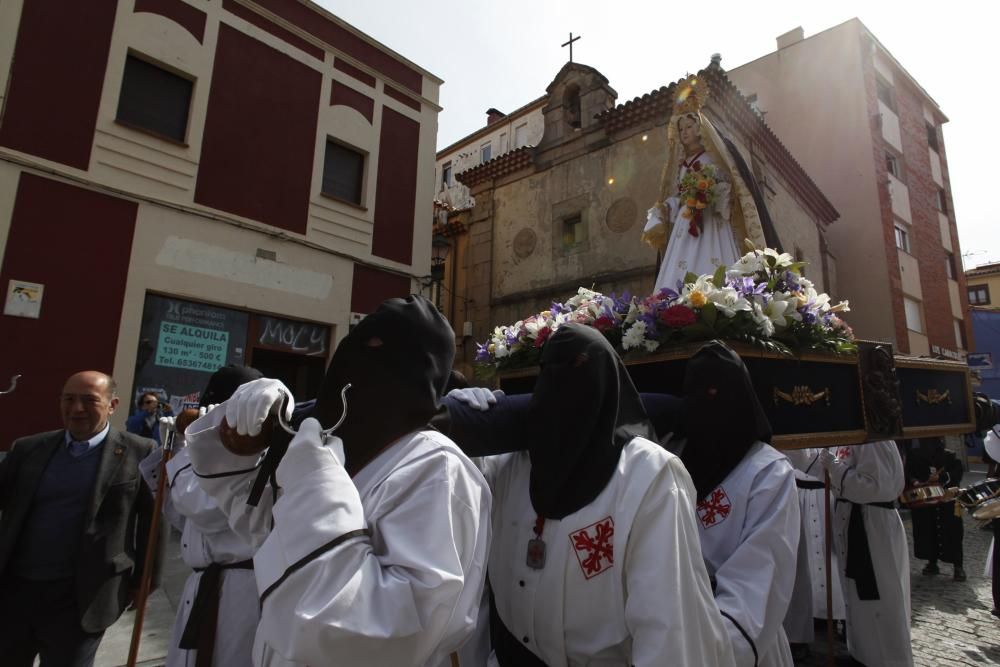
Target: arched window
{"type": "Point", "coordinates": [571, 103]}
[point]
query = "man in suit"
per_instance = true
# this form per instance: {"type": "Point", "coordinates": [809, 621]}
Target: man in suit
{"type": "Point", "coordinates": [74, 518]}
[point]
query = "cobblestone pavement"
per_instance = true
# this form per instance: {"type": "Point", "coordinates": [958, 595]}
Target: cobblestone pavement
{"type": "Point", "coordinates": [951, 621]}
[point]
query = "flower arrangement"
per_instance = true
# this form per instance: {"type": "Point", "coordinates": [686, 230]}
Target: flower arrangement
{"type": "Point", "coordinates": [696, 192]}
{"type": "Point", "coordinates": [762, 300]}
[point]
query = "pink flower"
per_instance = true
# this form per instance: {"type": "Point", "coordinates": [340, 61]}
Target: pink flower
{"type": "Point", "coordinates": [604, 323]}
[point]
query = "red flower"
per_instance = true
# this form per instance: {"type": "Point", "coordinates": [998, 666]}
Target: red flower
{"type": "Point", "coordinates": [678, 316]}
{"type": "Point", "coordinates": [700, 196]}
{"type": "Point", "coordinates": [543, 335]}
{"type": "Point", "coordinates": [604, 323]}
{"type": "Point", "coordinates": [696, 166]}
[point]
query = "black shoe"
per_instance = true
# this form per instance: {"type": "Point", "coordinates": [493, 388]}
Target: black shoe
{"type": "Point", "coordinates": [995, 612]}
{"type": "Point", "coordinates": [800, 652]}
{"type": "Point", "coordinates": [931, 568]}
{"type": "Point", "coordinates": [959, 573]}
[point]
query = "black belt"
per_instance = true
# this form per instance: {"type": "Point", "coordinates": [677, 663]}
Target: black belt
{"type": "Point", "coordinates": [199, 632]}
{"type": "Point", "coordinates": [859, 565]}
{"type": "Point", "coordinates": [811, 484]}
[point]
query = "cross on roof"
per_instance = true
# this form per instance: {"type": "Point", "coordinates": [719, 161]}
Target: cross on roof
{"type": "Point", "coordinates": [570, 45]}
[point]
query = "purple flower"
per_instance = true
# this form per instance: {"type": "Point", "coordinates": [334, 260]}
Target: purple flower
{"type": "Point", "coordinates": [650, 320]}
{"type": "Point", "coordinates": [668, 294]}
{"type": "Point", "coordinates": [482, 352]}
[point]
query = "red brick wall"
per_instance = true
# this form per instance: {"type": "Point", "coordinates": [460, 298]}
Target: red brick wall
{"type": "Point", "coordinates": [893, 274]}
{"type": "Point", "coordinates": [396, 189]}
{"type": "Point", "coordinates": [77, 243]}
{"type": "Point", "coordinates": [925, 237]}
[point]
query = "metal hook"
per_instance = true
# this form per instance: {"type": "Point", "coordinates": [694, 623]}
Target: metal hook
{"type": "Point", "coordinates": [325, 433]}
{"type": "Point", "coordinates": [13, 384]}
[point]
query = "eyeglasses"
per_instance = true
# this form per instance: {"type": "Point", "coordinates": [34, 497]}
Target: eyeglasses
{"type": "Point", "coordinates": [149, 401]}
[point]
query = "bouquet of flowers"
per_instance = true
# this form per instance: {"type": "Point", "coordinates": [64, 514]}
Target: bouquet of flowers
{"type": "Point", "coordinates": [696, 192]}
{"type": "Point", "coordinates": [762, 300]}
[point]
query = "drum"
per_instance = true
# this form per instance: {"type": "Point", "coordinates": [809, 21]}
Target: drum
{"type": "Point", "coordinates": [982, 500]}
{"type": "Point", "coordinates": [923, 495]}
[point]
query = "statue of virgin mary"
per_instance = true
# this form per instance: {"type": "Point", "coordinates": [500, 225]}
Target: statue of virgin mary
{"type": "Point", "coordinates": [706, 211]}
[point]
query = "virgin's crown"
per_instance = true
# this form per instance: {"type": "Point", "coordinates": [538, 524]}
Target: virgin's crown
{"type": "Point", "coordinates": [690, 94]}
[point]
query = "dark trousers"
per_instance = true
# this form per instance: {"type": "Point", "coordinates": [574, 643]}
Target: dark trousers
{"type": "Point", "coordinates": [40, 618]}
{"type": "Point", "coordinates": [996, 563]}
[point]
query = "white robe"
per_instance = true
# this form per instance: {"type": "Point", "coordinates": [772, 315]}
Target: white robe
{"type": "Point", "coordinates": [206, 538]}
{"type": "Point", "coordinates": [809, 597]}
{"type": "Point", "coordinates": [878, 631]}
{"type": "Point", "coordinates": [750, 535]}
{"type": "Point", "coordinates": [638, 597]}
{"type": "Point", "coordinates": [408, 594]}
{"type": "Point", "coordinates": [700, 254]}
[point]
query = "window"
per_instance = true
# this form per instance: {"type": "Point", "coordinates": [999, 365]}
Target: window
{"type": "Point", "coordinates": [485, 152]}
{"type": "Point", "coordinates": [932, 137]}
{"type": "Point", "coordinates": [959, 335]}
{"type": "Point", "coordinates": [571, 102]}
{"type": "Point", "coordinates": [154, 100]}
{"type": "Point", "coordinates": [979, 295]}
{"type": "Point", "coordinates": [343, 172]}
{"type": "Point", "coordinates": [574, 233]}
{"type": "Point", "coordinates": [892, 165]}
{"type": "Point", "coordinates": [503, 143]}
{"type": "Point", "coordinates": [942, 201]}
{"type": "Point", "coordinates": [902, 238]}
{"type": "Point", "coordinates": [521, 135]}
{"type": "Point", "coordinates": [886, 94]}
{"type": "Point", "coordinates": [446, 174]}
{"type": "Point", "coordinates": [949, 265]}
{"type": "Point", "coordinates": [914, 319]}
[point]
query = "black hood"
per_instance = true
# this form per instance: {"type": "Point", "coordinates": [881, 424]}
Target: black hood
{"type": "Point", "coordinates": [722, 417]}
{"type": "Point", "coordinates": [399, 356]}
{"type": "Point", "coordinates": [224, 382]}
{"type": "Point", "coordinates": [584, 410]}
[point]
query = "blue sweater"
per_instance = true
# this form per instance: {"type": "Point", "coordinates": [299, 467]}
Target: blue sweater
{"type": "Point", "coordinates": [46, 548]}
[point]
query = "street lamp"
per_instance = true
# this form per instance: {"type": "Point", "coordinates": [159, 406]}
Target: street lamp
{"type": "Point", "coordinates": [440, 247]}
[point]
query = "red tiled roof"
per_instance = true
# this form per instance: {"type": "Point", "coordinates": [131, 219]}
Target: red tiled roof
{"type": "Point", "coordinates": [501, 165]}
{"type": "Point", "coordinates": [984, 270]}
{"type": "Point", "coordinates": [728, 100]}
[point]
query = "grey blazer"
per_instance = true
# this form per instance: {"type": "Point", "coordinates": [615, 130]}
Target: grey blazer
{"type": "Point", "coordinates": [116, 527]}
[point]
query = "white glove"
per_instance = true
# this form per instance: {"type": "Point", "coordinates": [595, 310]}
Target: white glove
{"type": "Point", "coordinates": [477, 398]}
{"type": "Point", "coordinates": [166, 426]}
{"type": "Point", "coordinates": [254, 401]}
{"type": "Point", "coordinates": [827, 459]}
{"type": "Point", "coordinates": [307, 452]}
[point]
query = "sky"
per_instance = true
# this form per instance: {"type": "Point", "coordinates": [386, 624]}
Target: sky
{"type": "Point", "coordinates": [504, 54]}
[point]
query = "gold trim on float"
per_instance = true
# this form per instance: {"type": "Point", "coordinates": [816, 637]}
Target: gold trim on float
{"type": "Point", "coordinates": [802, 396]}
{"type": "Point", "coordinates": [822, 439]}
{"type": "Point", "coordinates": [933, 397]}
{"type": "Point", "coordinates": [937, 429]}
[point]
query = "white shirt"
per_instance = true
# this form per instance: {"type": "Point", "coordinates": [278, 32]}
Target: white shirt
{"type": "Point", "coordinates": [750, 536]}
{"type": "Point", "coordinates": [407, 594]}
{"type": "Point", "coordinates": [206, 538]}
{"type": "Point", "coordinates": [623, 582]}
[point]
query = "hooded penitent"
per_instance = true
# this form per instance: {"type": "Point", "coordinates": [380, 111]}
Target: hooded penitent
{"type": "Point", "coordinates": [722, 417]}
{"type": "Point", "coordinates": [398, 358]}
{"type": "Point", "coordinates": [224, 382]}
{"type": "Point", "coordinates": [584, 410]}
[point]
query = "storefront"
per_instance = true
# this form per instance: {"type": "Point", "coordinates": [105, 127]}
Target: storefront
{"type": "Point", "coordinates": [182, 343]}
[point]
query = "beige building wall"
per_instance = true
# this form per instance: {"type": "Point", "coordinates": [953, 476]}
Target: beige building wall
{"type": "Point", "coordinates": [837, 129]}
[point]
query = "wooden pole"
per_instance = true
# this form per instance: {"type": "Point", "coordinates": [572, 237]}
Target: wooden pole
{"type": "Point", "coordinates": [829, 569]}
{"type": "Point", "coordinates": [147, 566]}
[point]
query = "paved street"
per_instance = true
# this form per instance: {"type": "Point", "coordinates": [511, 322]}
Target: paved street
{"type": "Point", "coordinates": [952, 624]}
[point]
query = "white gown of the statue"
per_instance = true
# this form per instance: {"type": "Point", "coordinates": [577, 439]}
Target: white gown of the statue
{"type": "Point", "coordinates": [698, 254]}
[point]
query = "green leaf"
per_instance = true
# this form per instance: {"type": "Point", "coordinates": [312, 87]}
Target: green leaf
{"type": "Point", "coordinates": [690, 277]}
{"type": "Point", "coordinates": [719, 277]}
{"type": "Point", "coordinates": [709, 314]}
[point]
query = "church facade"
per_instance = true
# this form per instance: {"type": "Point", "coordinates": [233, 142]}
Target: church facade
{"type": "Point", "coordinates": [569, 212]}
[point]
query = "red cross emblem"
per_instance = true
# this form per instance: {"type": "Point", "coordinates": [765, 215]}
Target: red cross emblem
{"type": "Point", "coordinates": [594, 547]}
{"type": "Point", "coordinates": [843, 452]}
{"type": "Point", "coordinates": [715, 508]}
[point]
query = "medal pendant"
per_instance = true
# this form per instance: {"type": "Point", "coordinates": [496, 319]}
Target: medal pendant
{"type": "Point", "coordinates": [536, 554]}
